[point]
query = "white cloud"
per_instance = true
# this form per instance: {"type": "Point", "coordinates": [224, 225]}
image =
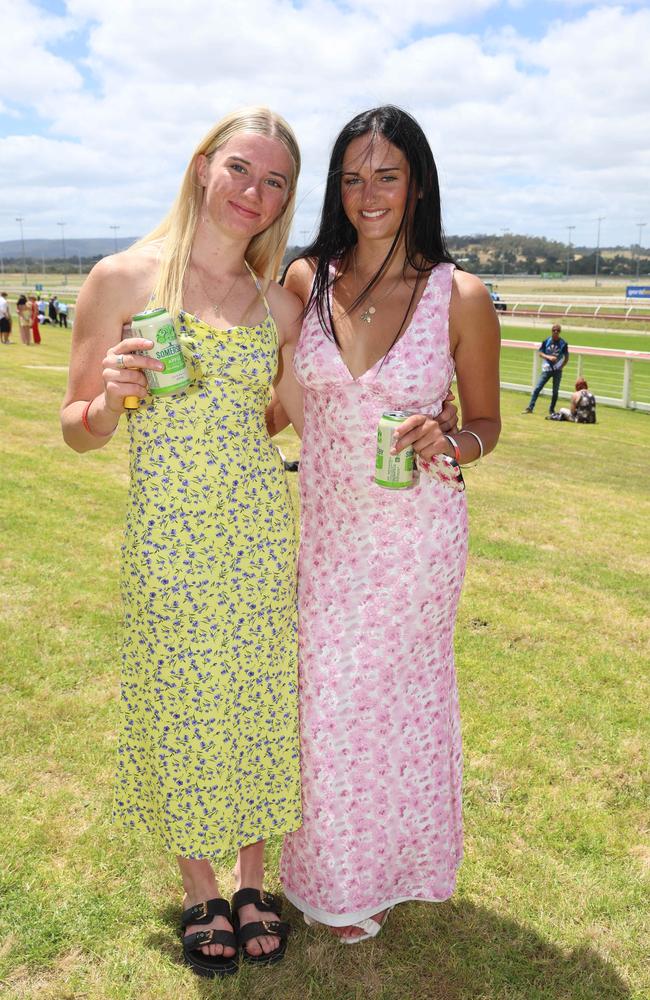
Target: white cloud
{"type": "Point", "coordinates": [528, 134]}
{"type": "Point", "coordinates": [29, 69]}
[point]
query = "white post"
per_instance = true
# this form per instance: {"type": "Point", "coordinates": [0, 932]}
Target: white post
{"type": "Point", "coordinates": [627, 382]}
{"type": "Point", "coordinates": [579, 368]}
{"type": "Point", "coordinates": [536, 361]}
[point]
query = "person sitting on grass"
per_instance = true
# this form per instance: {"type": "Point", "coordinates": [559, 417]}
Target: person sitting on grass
{"type": "Point", "coordinates": [583, 406]}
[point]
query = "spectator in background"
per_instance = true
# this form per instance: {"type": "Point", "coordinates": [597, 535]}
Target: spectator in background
{"type": "Point", "coordinates": [63, 314]}
{"type": "Point", "coordinates": [53, 310]}
{"type": "Point", "coordinates": [5, 319]}
{"type": "Point", "coordinates": [554, 352]}
{"type": "Point", "coordinates": [34, 319]}
{"type": "Point", "coordinates": [42, 307]}
{"type": "Point", "coordinates": [24, 311]}
{"type": "Point", "coordinates": [583, 406]}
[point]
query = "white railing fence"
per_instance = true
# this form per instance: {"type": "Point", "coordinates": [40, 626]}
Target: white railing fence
{"type": "Point", "coordinates": [626, 399]}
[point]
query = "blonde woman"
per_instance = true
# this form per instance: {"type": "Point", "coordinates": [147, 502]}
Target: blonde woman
{"type": "Point", "coordinates": [208, 750]}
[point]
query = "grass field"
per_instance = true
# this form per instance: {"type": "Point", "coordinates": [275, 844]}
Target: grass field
{"type": "Point", "coordinates": [552, 650]}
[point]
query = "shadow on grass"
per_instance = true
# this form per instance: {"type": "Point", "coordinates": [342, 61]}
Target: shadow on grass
{"type": "Point", "coordinates": [472, 952]}
{"type": "Point", "coordinates": [451, 951]}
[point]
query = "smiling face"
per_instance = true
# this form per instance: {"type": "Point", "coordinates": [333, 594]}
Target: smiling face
{"type": "Point", "coordinates": [246, 182]}
{"type": "Point", "coordinates": [374, 187]}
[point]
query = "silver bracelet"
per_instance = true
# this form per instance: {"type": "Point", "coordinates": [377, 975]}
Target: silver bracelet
{"type": "Point", "coordinates": [470, 465]}
{"type": "Point", "coordinates": [454, 444]}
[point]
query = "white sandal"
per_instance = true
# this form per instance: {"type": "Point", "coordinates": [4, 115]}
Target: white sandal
{"type": "Point", "coordinates": [370, 926]}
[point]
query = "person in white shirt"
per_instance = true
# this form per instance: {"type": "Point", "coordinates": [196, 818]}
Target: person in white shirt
{"type": "Point", "coordinates": [5, 319]}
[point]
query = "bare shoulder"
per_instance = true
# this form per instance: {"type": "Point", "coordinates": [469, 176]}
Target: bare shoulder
{"type": "Point", "coordinates": [472, 316]}
{"type": "Point", "coordinates": [470, 299]}
{"type": "Point", "coordinates": [468, 288]}
{"type": "Point", "coordinates": [287, 312]}
{"type": "Point", "coordinates": [125, 278]}
{"type": "Point", "coordinates": [285, 305]}
{"type": "Point", "coordinates": [300, 278]}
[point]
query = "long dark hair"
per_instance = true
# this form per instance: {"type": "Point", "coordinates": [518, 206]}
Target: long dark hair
{"type": "Point", "coordinates": [421, 225]}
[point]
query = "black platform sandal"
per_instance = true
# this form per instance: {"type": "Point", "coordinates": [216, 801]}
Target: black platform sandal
{"type": "Point", "coordinates": [260, 928]}
{"type": "Point", "coordinates": [208, 965]}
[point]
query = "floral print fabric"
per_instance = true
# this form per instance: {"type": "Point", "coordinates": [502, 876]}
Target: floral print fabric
{"type": "Point", "coordinates": [208, 748]}
{"type": "Point", "coordinates": [380, 574]}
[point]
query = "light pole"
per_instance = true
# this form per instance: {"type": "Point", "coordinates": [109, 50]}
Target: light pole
{"type": "Point", "coordinates": [65, 259]}
{"type": "Point", "coordinates": [115, 229]}
{"type": "Point", "coordinates": [568, 252]}
{"type": "Point", "coordinates": [20, 219]}
{"type": "Point", "coordinates": [641, 225]}
{"type": "Point", "coordinates": [502, 257]}
{"type": "Point", "coordinates": [304, 233]}
{"type": "Point", "coordinates": [598, 220]}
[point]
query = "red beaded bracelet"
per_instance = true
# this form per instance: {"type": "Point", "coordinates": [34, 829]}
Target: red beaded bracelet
{"type": "Point", "coordinates": [84, 421]}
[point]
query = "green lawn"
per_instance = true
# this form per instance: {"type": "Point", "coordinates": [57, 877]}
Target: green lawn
{"type": "Point", "coordinates": [552, 647]}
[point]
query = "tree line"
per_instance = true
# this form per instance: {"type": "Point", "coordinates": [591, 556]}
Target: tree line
{"type": "Point", "coordinates": [517, 254]}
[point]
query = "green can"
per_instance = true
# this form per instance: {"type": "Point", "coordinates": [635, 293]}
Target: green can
{"type": "Point", "coordinates": [394, 472]}
{"type": "Point", "coordinates": [158, 326]}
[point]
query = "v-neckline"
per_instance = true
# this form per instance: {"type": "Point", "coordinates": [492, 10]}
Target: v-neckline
{"type": "Point", "coordinates": [379, 361]}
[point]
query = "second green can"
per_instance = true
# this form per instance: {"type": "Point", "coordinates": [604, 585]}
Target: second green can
{"type": "Point", "coordinates": [395, 472]}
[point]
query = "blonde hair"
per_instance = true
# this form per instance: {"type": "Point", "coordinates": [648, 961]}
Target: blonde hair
{"type": "Point", "coordinates": [176, 232]}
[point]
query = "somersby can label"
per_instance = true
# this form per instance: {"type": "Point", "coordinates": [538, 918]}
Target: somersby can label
{"type": "Point", "coordinates": [158, 326]}
{"type": "Point", "coordinates": [395, 472]}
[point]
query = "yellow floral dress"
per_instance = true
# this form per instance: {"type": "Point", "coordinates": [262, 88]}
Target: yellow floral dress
{"type": "Point", "coordinates": [208, 747]}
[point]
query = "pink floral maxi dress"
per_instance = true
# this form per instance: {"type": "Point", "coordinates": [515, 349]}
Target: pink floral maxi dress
{"type": "Point", "coordinates": [380, 575]}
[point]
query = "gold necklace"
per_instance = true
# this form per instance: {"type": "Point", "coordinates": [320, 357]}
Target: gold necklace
{"type": "Point", "coordinates": [216, 306]}
{"type": "Point", "coordinates": [367, 315]}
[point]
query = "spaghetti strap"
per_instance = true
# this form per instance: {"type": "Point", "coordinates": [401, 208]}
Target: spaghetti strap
{"type": "Point", "coordinates": [259, 287]}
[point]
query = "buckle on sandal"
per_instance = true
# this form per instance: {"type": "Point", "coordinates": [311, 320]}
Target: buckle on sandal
{"type": "Point", "coordinates": [270, 926]}
{"type": "Point", "coordinates": [268, 899]}
{"type": "Point", "coordinates": [200, 912]}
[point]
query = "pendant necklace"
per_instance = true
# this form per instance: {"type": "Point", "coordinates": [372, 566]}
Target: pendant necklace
{"type": "Point", "coordinates": [216, 306]}
{"type": "Point", "coordinates": [367, 315]}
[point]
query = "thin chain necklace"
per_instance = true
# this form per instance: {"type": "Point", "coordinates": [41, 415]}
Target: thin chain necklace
{"type": "Point", "coordinates": [367, 315]}
{"type": "Point", "coordinates": [216, 306]}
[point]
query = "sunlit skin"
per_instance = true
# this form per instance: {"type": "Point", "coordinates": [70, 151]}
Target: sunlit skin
{"type": "Point", "coordinates": [374, 188]}
{"type": "Point", "coordinates": [246, 185]}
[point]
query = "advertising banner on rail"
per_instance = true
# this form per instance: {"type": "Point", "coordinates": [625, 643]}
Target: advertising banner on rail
{"type": "Point", "coordinates": [637, 292]}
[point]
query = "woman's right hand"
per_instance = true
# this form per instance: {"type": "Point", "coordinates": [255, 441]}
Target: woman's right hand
{"type": "Point", "coordinates": [126, 377]}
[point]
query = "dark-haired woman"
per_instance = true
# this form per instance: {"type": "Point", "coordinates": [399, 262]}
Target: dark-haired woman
{"type": "Point", "coordinates": [389, 320]}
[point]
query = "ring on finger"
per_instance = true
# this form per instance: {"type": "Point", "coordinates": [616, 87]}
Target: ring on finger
{"type": "Point", "coordinates": [119, 361]}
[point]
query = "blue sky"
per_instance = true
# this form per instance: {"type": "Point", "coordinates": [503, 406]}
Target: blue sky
{"type": "Point", "coordinates": [536, 112]}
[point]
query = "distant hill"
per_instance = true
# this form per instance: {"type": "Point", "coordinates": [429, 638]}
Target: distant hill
{"type": "Point", "coordinates": [74, 246]}
{"type": "Point", "coordinates": [480, 253]}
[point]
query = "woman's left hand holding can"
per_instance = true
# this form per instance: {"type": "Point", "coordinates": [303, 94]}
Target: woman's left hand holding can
{"type": "Point", "coordinates": [123, 372]}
